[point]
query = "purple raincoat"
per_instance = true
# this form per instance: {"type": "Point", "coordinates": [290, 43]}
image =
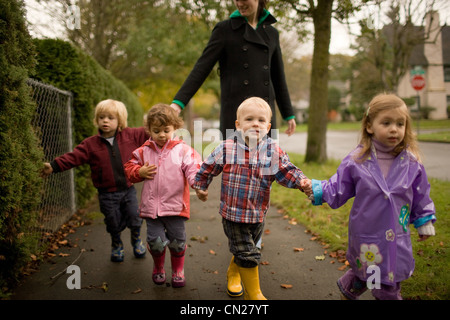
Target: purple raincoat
{"type": "Point", "coordinates": [378, 230]}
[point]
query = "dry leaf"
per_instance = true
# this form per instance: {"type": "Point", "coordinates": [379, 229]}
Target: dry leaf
{"type": "Point", "coordinates": [320, 258]}
{"type": "Point", "coordinates": [299, 249]}
{"type": "Point", "coordinates": [286, 286]}
{"type": "Point", "coordinates": [267, 231]}
{"type": "Point", "coordinates": [138, 290]}
{"type": "Point", "coordinates": [212, 252]}
{"type": "Point", "coordinates": [265, 263]}
{"type": "Point", "coordinates": [104, 286]}
{"type": "Point", "coordinates": [342, 268]}
{"type": "Point", "coordinates": [63, 254]}
{"type": "Point", "coordinates": [63, 242]}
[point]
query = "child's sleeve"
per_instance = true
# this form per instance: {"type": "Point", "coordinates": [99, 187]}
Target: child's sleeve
{"type": "Point", "coordinates": [132, 166]}
{"type": "Point", "coordinates": [69, 160]}
{"type": "Point", "coordinates": [288, 175]}
{"type": "Point", "coordinates": [140, 135]}
{"type": "Point", "coordinates": [209, 169]}
{"type": "Point", "coordinates": [338, 189]}
{"type": "Point", "coordinates": [422, 208]}
{"type": "Point", "coordinates": [191, 164]}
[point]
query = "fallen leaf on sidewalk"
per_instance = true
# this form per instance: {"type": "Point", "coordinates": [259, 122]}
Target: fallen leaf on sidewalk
{"type": "Point", "coordinates": [265, 263]}
{"type": "Point", "coordinates": [320, 258]}
{"type": "Point", "coordinates": [138, 290]}
{"type": "Point", "coordinates": [199, 239]}
{"type": "Point", "coordinates": [212, 252]}
{"type": "Point", "coordinates": [104, 286]}
{"type": "Point", "coordinates": [286, 286]}
{"type": "Point", "coordinates": [267, 232]}
{"type": "Point", "coordinates": [299, 249]}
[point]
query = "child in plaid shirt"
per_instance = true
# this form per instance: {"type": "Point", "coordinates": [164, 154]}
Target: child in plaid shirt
{"type": "Point", "coordinates": [249, 161]}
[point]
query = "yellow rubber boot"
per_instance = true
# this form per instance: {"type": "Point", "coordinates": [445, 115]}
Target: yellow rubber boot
{"type": "Point", "coordinates": [250, 279]}
{"type": "Point", "coordinates": [234, 285]}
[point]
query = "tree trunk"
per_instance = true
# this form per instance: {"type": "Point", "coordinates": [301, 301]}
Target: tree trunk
{"type": "Point", "coordinates": [316, 149]}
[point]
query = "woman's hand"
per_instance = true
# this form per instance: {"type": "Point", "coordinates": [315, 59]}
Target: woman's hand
{"type": "Point", "coordinates": [291, 127]}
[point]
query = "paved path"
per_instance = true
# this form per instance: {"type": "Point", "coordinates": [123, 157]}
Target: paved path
{"type": "Point", "coordinates": [205, 267]}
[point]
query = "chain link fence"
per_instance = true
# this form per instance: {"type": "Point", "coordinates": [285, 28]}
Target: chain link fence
{"type": "Point", "coordinates": [53, 126]}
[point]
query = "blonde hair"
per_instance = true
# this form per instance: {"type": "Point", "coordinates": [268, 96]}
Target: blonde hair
{"type": "Point", "coordinates": [261, 103]}
{"type": "Point", "coordinates": [380, 103]}
{"type": "Point", "coordinates": [163, 115]}
{"type": "Point", "coordinates": [114, 107]}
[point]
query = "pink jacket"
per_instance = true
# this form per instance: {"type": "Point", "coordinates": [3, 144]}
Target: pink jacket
{"type": "Point", "coordinates": [168, 193]}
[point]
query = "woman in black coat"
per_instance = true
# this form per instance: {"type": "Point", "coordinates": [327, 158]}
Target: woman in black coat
{"type": "Point", "coordinates": [247, 47]}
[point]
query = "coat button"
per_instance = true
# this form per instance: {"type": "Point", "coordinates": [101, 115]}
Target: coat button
{"type": "Point", "coordinates": [266, 67]}
{"type": "Point", "coordinates": [246, 82]}
{"type": "Point", "coordinates": [266, 83]}
{"type": "Point", "coordinates": [245, 65]}
{"type": "Point", "coordinates": [244, 48]}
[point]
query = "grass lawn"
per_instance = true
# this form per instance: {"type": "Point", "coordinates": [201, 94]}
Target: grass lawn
{"type": "Point", "coordinates": [431, 279]}
{"type": "Point", "coordinates": [426, 128]}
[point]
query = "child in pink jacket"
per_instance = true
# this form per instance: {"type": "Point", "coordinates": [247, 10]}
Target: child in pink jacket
{"type": "Point", "coordinates": [168, 167]}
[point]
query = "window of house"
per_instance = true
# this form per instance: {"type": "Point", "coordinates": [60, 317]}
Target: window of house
{"type": "Point", "coordinates": [447, 74]}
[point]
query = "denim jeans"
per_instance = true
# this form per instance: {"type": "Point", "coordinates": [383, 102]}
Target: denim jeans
{"type": "Point", "coordinates": [120, 209]}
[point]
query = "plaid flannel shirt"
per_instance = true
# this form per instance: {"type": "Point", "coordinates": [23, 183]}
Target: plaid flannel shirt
{"type": "Point", "coordinates": [247, 176]}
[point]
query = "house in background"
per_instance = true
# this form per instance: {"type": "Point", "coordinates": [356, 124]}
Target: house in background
{"type": "Point", "coordinates": [433, 57]}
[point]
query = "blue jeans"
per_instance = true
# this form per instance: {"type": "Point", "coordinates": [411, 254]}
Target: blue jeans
{"type": "Point", "coordinates": [120, 209]}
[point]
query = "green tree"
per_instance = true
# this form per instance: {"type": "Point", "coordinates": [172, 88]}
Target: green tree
{"type": "Point", "coordinates": [320, 12]}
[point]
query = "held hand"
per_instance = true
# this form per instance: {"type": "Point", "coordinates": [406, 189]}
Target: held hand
{"type": "Point", "coordinates": [147, 171]}
{"type": "Point", "coordinates": [202, 194]}
{"type": "Point", "coordinates": [176, 107]}
{"type": "Point", "coordinates": [306, 185]}
{"type": "Point", "coordinates": [291, 127]}
{"type": "Point", "coordinates": [47, 170]}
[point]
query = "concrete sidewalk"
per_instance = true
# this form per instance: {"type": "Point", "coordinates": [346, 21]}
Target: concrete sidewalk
{"type": "Point", "coordinates": [205, 265]}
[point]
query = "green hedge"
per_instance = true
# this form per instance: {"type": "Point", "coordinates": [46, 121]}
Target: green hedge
{"type": "Point", "coordinates": [60, 64]}
{"type": "Point", "coordinates": [68, 68]}
{"type": "Point", "coordinates": [20, 157]}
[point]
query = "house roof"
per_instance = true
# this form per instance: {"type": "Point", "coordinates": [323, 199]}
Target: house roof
{"type": "Point", "coordinates": [418, 54]}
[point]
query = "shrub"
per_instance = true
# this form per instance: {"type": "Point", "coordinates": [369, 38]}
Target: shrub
{"type": "Point", "coordinates": [20, 157]}
{"type": "Point", "coordinates": [68, 68]}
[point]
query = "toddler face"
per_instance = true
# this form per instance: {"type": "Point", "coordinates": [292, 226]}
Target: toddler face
{"type": "Point", "coordinates": [107, 123]}
{"type": "Point", "coordinates": [161, 134]}
{"type": "Point", "coordinates": [254, 122]}
{"type": "Point", "coordinates": [388, 127]}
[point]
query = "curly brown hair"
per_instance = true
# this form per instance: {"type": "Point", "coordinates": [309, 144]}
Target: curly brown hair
{"type": "Point", "coordinates": [163, 115]}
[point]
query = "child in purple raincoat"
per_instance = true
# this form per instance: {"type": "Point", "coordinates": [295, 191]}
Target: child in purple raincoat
{"type": "Point", "coordinates": [389, 183]}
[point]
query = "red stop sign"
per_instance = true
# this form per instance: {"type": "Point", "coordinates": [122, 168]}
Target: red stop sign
{"type": "Point", "coordinates": [418, 82]}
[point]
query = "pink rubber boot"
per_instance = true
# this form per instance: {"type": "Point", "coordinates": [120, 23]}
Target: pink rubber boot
{"type": "Point", "coordinates": [159, 274]}
{"type": "Point", "coordinates": [177, 260]}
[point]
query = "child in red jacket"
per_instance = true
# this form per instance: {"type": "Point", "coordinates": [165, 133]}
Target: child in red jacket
{"type": "Point", "coordinates": [106, 153]}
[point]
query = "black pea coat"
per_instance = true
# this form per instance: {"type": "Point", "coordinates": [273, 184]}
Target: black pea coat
{"type": "Point", "coordinates": [250, 64]}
